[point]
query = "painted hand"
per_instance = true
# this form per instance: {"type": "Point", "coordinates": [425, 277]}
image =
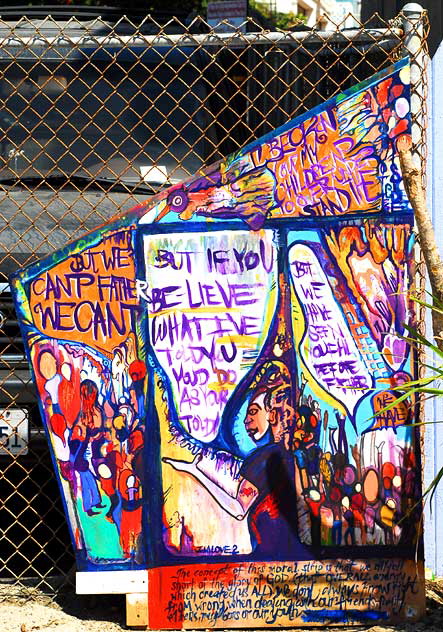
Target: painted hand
{"type": "Point", "coordinates": [183, 466]}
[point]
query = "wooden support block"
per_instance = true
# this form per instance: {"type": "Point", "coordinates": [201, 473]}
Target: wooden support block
{"type": "Point", "coordinates": [137, 610]}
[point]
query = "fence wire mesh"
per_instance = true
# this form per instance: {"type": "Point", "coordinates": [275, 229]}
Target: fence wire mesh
{"type": "Point", "coordinates": [97, 116]}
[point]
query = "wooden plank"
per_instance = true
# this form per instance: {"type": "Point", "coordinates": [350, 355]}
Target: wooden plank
{"type": "Point", "coordinates": [137, 610]}
{"type": "Point", "coordinates": [290, 594]}
{"type": "Point", "coordinates": [111, 582]}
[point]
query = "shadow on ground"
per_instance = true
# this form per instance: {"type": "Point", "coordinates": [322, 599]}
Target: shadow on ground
{"type": "Point", "coordinates": [97, 607]}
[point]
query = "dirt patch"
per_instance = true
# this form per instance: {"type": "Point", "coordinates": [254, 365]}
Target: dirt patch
{"type": "Point", "coordinates": [77, 613]}
{"type": "Point", "coordinates": [35, 611]}
{"type": "Point", "coordinates": [32, 617]}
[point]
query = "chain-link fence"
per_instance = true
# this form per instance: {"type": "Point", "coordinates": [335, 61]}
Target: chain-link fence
{"type": "Point", "coordinates": [95, 117]}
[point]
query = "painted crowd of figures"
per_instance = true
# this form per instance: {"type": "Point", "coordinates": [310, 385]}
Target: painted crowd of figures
{"type": "Point", "coordinates": [99, 436]}
{"type": "Point", "coordinates": [295, 493]}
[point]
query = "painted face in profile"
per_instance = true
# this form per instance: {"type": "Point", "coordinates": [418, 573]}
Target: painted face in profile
{"type": "Point", "coordinates": [257, 418]}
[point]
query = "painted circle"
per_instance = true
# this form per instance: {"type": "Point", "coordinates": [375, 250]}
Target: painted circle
{"type": "Point", "coordinates": [349, 475]}
{"type": "Point", "coordinates": [396, 481]}
{"type": "Point", "coordinates": [137, 370]}
{"type": "Point", "coordinates": [403, 142]}
{"type": "Point", "coordinates": [104, 471]}
{"type": "Point", "coordinates": [392, 123]}
{"type": "Point", "coordinates": [314, 494]}
{"type": "Point", "coordinates": [178, 201]}
{"type": "Point", "coordinates": [405, 75]}
{"type": "Point", "coordinates": [118, 422]}
{"type": "Point", "coordinates": [401, 107]}
{"type": "Point", "coordinates": [66, 371]}
{"type": "Point", "coordinates": [370, 486]}
{"type": "Point", "coordinates": [278, 351]}
{"type": "Point", "coordinates": [388, 470]}
{"type": "Point", "coordinates": [400, 377]}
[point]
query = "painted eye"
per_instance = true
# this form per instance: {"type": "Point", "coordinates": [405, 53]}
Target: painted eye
{"type": "Point", "coordinates": [178, 201]}
{"type": "Point", "coordinates": [253, 410]}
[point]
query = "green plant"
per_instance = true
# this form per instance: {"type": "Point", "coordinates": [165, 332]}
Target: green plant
{"type": "Point", "coordinates": [279, 20]}
{"type": "Point", "coordinates": [287, 20]}
{"type": "Point", "coordinates": [428, 386]}
{"type": "Point", "coordinates": [431, 384]}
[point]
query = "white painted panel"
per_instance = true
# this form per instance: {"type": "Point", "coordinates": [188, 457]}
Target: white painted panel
{"type": "Point", "coordinates": [111, 582]}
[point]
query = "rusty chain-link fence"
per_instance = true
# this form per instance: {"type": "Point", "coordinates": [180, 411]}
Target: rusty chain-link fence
{"type": "Point", "coordinates": [97, 116]}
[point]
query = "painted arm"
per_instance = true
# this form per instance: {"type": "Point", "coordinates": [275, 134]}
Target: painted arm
{"type": "Point", "coordinates": [237, 506]}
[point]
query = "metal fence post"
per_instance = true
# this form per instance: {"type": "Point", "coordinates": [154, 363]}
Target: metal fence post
{"type": "Point", "coordinates": [415, 46]}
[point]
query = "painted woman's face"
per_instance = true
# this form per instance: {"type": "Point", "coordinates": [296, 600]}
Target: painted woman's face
{"type": "Point", "coordinates": [257, 418]}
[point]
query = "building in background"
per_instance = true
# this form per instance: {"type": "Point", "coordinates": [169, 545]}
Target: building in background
{"type": "Point", "coordinates": [322, 13]}
{"type": "Point", "coordinates": [388, 9]}
{"type": "Point", "coordinates": [346, 13]}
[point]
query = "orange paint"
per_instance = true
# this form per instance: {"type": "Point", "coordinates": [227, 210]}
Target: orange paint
{"type": "Point", "coordinates": [371, 486]}
{"type": "Point", "coordinates": [397, 415]}
{"type": "Point", "coordinates": [90, 296]}
{"type": "Point", "coordinates": [320, 172]}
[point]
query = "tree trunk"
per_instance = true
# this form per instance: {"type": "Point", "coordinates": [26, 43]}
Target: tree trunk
{"type": "Point", "coordinates": [434, 265]}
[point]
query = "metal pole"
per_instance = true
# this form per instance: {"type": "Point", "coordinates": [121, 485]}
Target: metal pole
{"type": "Point", "coordinates": [414, 46]}
{"type": "Point", "coordinates": [90, 40]}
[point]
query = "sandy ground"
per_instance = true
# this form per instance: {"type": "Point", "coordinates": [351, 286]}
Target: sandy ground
{"type": "Point", "coordinates": [72, 614]}
{"type": "Point", "coordinates": [75, 613]}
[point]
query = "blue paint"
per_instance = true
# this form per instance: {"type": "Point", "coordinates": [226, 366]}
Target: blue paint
{"type": "Point", "coordinates": [343, 616]}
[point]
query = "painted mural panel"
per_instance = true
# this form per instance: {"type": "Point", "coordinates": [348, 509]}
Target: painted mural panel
{"type": "Point", "coordinates": [213, 370]}
{"type": "Point", "coordinates": [338, 159]}
{"type": "Point", "coordinates": [91, 386]}
{"type": "Point", "coordinates": [286, 456]}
